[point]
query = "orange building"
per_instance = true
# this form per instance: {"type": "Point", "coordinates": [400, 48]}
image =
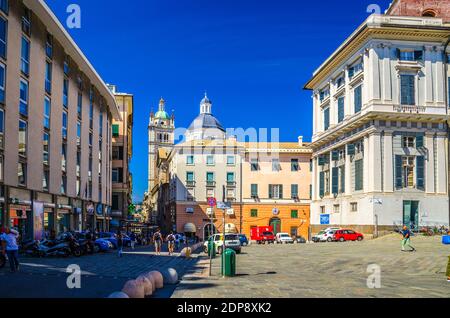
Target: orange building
{"type": "Point", "coordinates": [276, 183]}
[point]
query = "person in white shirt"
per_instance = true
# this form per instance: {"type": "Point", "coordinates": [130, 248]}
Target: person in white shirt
{"type": "Point", "coordinates": [11, 248]}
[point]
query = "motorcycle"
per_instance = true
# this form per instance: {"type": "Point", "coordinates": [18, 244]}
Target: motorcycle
{"type": "Point", "coordinates": [50, 248]}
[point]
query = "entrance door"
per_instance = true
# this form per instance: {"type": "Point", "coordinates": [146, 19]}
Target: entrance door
{"type": "Point", "coordinates": [275, 223]}
{"type": "Point", "coordinates": [411, 214]}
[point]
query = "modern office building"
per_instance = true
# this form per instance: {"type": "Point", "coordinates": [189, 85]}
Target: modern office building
{"type": "Point", "coordinates": [122, 150]}
{"type": "Point", "coordinates": [380, 122]}
{"type": "Point", "coordinates": [55, 122]}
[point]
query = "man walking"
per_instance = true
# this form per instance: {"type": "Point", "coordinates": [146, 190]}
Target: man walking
{"type": "Point", "coordinates": [11, 248]}
{"type": "Point", "coordinates": [157, 239]}
{"type": "Point", "coordinates": [119, 243]}
{"type": "Point", "coordinates": [171, 243]}
{"type": "Point", "coordinates": [406, 242]}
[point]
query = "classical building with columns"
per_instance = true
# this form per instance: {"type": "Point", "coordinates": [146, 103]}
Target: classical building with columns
{"type": "Point", "coordinates": [380, 141]}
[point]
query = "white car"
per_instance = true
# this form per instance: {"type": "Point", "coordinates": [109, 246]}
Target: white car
{"type": "Point", "coordinates": [284, 238]}
{"type": "Point", "coordinates": [231, 241]}
{"type": "Point", "coordinates": [324, 236]}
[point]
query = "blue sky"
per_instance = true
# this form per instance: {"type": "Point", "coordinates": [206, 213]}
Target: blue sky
{"type": "Point", "coordinates": [252, 56]}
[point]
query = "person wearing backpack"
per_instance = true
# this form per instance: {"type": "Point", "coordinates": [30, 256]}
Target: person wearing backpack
{"type": "Point", "coordinates": [157, 240]}
{"type": "Point", "coordinates": [171, 243]}
{"type": "Point", "coordinates": [406, 241]}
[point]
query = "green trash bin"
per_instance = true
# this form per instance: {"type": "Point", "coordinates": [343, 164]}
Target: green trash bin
{"type": "Point", "coordinates": [211, 249]}
{"type": "Point", "coordinates": [229, 263]}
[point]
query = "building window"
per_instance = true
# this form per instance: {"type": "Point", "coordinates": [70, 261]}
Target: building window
{"type": "Point", "coordinates": [294, 214]}
{"type": "Point", "coordinates": [230, 178]}
{"type": "Point", "coordinates": [63, 184]}
{"type": "Point", "coordinates": [355, 70]}
{"type": "Point", "coordinates": [407, 89]}
{"type": "Point", "coordinates": [22, 138]}
{"type": "Point", "coordinates": [210, 160]}
{"type": "Point", "coordinates": [48, 77]}
{"type": "Point", "coordinates": [294, 191]}
{"type": "Point", "coordinates": [78, 163]}
{"type": "Point", "coordinates": [190, 180]}
{"type": "Point", "coordinates": [100, 124]}
{"type": "Point", "coordinates": [359, 175]}
{"type": "Point", "coordinates": [117, 153]}
{"type": "Point", "coordinates": [2, 82]}
{"type": "Point", "coordinates": [78, 133]}
{"type": "Point", "coordinates": [90, 139]}
{"type": "Point", "coordinates": [22, 173]}
{"type": "Point", "coordinates": [210, 179]}
{"type": "Point", "coordinates": [353, 207]}
{"type": "Point", "coordinates": [66, 65]}
{"type": "Point", "coordinates": [80, 105]}
{"type": "Point", "coordinates": [408, 141]}
{"type": "Point", "coordinates": [45, 179]}
{"type": "Point", "coordinates": [64, 124]}
{"type": "Point", "coordinates": [409, 55]}
{"type": "Point", "coordinates": [49, 46]}
{"type": "Point", "coordinates": [231, 160]}
{"type": "Point", "coordinates": [117, 175]}
{"type": "Point", "coordinates": [409, 172]}
{"type": "Point", "coordinates": [4, 6]}
{"type": "Point", "coordinates": [190, 160]}
{"type": "Point", "coordinates": [326, 118]}
{"type": "Point", "coordinates": [341, 110]}
{"type": "Point", "coordinates": [2, 127]}
{"type": "Point", "coordinates": [336, 208]}
{"type": "Point", "coordinates": [275, 191]}
{"type": "Point", "coordinates": [324, 94]}
{"type": "Point", "coordinates": [26, 21]}
{"type": "Point", "coordinates": [78, 187]}
{"type": "Point", "coordinates": [46, 150]}
{"type": "Point", "coordinates": [322, 209]}
{"type": "Point", "coordinates": [23, 104]}
{"type": "Point", "coordinates": [358, 98]}
{"type": "Point", "coordinates": [47, 109]}
{"type": "Point", "coordinates": [276, 165]}
{"type": "Point", "coordinates": [115, 130]}
{"type": "Point", "coordinates": [254, 213]}
{"type": "Point", "coordinates": [254, 165]}
{"type": "Point", "coordinates": [63, 157]}
{"type": "Point", "coordinates": [91, 110]}
{"type": "Point", "coordinates": [25, 57]}
{"type": "Point", "coordinates": [65, 92]}
{"type": "Point", "coordinates": [340, 82]}
{"type": "Point", "coordinates": [295, 165]}
{"type": "Point", "coordinates": [254, 190]}
{"type": "Point", "coordinates": [3, 37]}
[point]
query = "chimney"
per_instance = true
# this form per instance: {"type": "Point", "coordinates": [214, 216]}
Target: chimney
{"type": "Point", "coordinates": [300, 141]}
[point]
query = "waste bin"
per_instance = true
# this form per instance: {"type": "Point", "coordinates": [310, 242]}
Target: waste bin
{"type": "Point", "coordinates": [229, 263]}
{"type": "Point", "coordinates": [211, 249]}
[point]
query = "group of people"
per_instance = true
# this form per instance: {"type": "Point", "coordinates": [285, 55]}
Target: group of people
{"type": "Point", "coordinates": [174, 241]}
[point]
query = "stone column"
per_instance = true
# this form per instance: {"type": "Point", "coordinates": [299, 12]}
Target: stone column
{"type": "Point", "coordinates": [375, 72]}
{"type": "Point", "coordinates": [429, 91]}
{"type": "Point", "coordinates": [366, 165]}
{"type": "Point", "coordinates": [375, 162]}
{"type": "Point", "coordinates": [387, 80]}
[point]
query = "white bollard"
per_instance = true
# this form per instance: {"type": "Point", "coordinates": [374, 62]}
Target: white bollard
{"type": "Point", "coordinates": [148, 287]}
{"type": "Point", "coordinates": [159, 280]}
{"type": "Point", "coordinates": [118, 295]}
{"type": "Point", "coordinates": [170, 276]}
{"type": "Point", "coordinates": [133, 289]}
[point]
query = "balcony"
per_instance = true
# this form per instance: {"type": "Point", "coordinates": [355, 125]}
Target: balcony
{"type": "Point", "coordinates": [411, 109]}
{"type": "Point", "coordinates": [190, 183]}
{"type": "Point", "coordinates": [210, 184]}
{"type": "Point", "coordinates": [231, 184]}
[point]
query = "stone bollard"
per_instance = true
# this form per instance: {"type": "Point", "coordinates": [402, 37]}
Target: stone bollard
{"type": "Point", "coordinates": [170, 276]}
{"type": "Point", "coordinates": [159, 280]}
{"type": "Point", "coordinates": [133, 289]}
{"type": "Point", "coordinates": [148, 287]}
{"type": "Point", "coordinates": [152, 280]}
{"type": "Point", "coordinates": [118, 295]}
{"type": "Point", "coordinates": [186, 252]}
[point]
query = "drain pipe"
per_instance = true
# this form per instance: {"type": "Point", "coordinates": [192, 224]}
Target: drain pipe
{"type": "Point", "coordinates": [447, 96]}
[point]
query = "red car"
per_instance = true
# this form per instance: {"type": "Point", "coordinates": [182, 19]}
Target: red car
{"type": "Point", "coordinates": [262, 234]}
{"type": "Point", "coordinates": [343, 235]}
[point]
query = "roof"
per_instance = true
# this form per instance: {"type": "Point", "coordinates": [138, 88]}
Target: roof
{"type": "Point", "coordinates": [206, 121]}
{"type": "Point", "coordinates": [162, 115]}
{"type": "Point", "coordinates": [48, 18]}
{"type": "Point", "coordinates": [249, 146]}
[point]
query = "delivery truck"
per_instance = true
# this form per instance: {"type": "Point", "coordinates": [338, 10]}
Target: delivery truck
{"type": "Point", "coordinates": [262, 234]}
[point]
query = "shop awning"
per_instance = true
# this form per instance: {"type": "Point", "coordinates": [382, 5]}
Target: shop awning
{"type": "Point", "coordinates": [189, 228]}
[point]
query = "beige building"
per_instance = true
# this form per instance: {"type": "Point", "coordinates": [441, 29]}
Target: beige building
{"type": "Point", "coordinates": [122, 149]}
{"type": "Point", "coordinates": [55, 123]}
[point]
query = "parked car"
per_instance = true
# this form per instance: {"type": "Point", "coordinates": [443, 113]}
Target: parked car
{"type": "Point", "coordinates": [231, 241]}
{"type": "Point", "coordinates": [324, 236]}
{"type": "Point", "coordinates": [112, 237]}
{"type": "Point", "coordinates": [300, 239]}
{"type": "Point", "coordinates": [243, 238]}
{"type": "Point", "coordinates": [100, 244]}
{"type": "Point", "coordinates": [347, 235]}
{"type": "Point", "coordinates": [262, 234]}
{"type": "Point", "coordinates": [284, 238]}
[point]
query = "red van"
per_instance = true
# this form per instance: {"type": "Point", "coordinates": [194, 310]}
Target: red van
{"type": "Point", "coordinates": [343, 235]}
{"type": "Point", "coordinates": [262, 234]}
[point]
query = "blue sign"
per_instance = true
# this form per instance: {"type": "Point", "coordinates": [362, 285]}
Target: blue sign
{"type": "Point", "coordinates": [100, 209]}
{"type": "Point", "coordinates": [325, 219]}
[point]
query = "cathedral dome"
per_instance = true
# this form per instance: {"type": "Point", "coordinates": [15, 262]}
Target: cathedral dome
{"type": "Point", "coordinates": [161, 113]}
{"type": "Point", "coordinates": [206, 121]}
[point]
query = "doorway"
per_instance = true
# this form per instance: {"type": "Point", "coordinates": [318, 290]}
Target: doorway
{"type": "Point", "coordinates": [411, 214]}
{"type": "Point", "coordinates": [208, 230]}
{"type": "Point", "coordinates": [275, 223]}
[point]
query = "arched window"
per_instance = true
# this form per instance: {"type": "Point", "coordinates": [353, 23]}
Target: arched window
{"type": "Point", "coordinates": [429, 13]}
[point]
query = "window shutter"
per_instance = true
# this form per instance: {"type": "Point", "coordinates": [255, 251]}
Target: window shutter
{"type": "Point", "coordinates": [419, 141]}
{"type": "Point", "coordinates": [342, 179]}
{"type": "Point", "coordinates": [350, 149]}
{"type": "Point", "coordinates": [270, 191]}
{"type": "Point", "coordinates": [398, 172]}
{"type": "Point", "coordinates": [335, 180]}
{"type": "Point", "coordinates": [420, 171]}
{"type": "Point", "coordinates": [115, 130]}
{"type": "Point", "coordinates": [335, 155]}
{"type": "Point", "coordinates": [281, 191]}
{"type": "Point", "coordinates": [418, 55]}
{"type": "Point", "coordinates": [358, 99]}
{"type": "Point", "coordinates": [321, 161]}
{"type": "Point", "coordinates": [351, 72]}
{"type": "Point", "coordinates": [407, 89]}
{"type": "Point", "coordinates": [326, 119]}
{"type": "Point", "coordinates": [398, 53]}
{"type": "Point", "coordinates": [322, 184]}
{"type": "Point", "coordinates": [340, 109]}
{"type": "Point", "coordinates": [359, 175]}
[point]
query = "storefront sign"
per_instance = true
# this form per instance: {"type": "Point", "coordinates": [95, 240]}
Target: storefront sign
{"type": "Point", "coordinates": [100, 209]}
{"type": "Point", "coordinates": [90, 208]}
{"type": "Point", "coordinates": [189, 210]}
{"type": "Point", "coordinates": [38, 220]}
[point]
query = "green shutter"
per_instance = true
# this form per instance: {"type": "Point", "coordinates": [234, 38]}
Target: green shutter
{"type": "Point", "coordinates": [358, 99]}
{"type": "Point", "coordinates": [321, 161]}
{"type": "Point", "coordinates": [350, 149]}
{"type": "Point", "coordinates": [254, 190]}
{"type": "Point", "coordinates": [407, 89]}
{"type": "Point", "coordinates": [418, 55]}
{"type": "Point", "coordinates": [419, 141]}
{"type": "Point", "coordinates": [341, 111]}
{"type": "Point", "coordinates": [281, 191]}
{"type": "Point", "coordinates": [342, 190]}
{"type": "Point", "coordinates": [335, 155]}
{"type": "Point", "coordinates": [115, 130]}
{"type": "Point", "coordinates": [321, 184]}
{"type": "Point", "coordinates": [359, 175]}
{"type": "Point", "coordinates": [420, 171]}
{"type": "Point", "coordinates": [326, 119]}
{"type": "Point", "coordinates": [270, 191]}
{"type": "Point", "coordinates": [398, 172]}
{"type": "Point", "coordinates": [335, 180]}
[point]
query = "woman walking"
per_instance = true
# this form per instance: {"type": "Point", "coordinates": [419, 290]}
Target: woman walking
{"type": "Point", "coordinates": [157, 239]}
{"type": "Point", "coordinates": [171, 243]}
{"type": "Point", "coordinates": [119, 243]}
{"type": "Point", "coordinates": [11, 248]}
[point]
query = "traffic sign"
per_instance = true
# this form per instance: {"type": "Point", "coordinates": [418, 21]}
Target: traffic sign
{"type": "Point", "coordinates": [223, 205]}
{"type": "Point", "coordinates": [212, 202]}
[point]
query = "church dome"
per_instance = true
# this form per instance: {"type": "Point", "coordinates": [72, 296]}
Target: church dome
{"type": "Point", "coordinates": [162, 115]}
{"type": "Point", "coordinates": [206, 121]}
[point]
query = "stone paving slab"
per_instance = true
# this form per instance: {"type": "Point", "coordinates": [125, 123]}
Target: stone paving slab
{"type": "Point", "coordinates": [326, 270]}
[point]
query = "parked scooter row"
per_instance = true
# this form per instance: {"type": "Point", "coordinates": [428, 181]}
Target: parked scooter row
{"type": "Point", "coordinates": [64, 245]}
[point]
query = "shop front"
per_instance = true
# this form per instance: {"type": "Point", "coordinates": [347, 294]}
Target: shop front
{"type": "Point", "coordinates": [21, 218]}
{"type": "Point", "coordinates": [49, 218]}
{"type": "Point", "coordinates": [90, 216]}
{"type": "Point", "coordinates": [63, 220]}
{"type": "Point", "coordinates": [100, 218]}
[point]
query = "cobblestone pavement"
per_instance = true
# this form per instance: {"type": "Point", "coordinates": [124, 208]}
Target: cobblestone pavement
{"type": "Point", "coordinates": [326, 270]}
{"type": "Point", "coordinates": [102, 274]}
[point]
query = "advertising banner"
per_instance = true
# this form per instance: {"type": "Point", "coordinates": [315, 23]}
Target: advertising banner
{"type": "Point", "coordinates": [38, 220]}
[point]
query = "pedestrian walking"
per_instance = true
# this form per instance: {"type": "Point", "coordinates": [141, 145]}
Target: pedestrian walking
{"type": "Point", "coordinates": [133, 240]}
{"type": "Point", "coordinates": [171, 243]}
{"type": "Point", "coordinates": [157, 240]}
{"type": "Point", "coordinates": [11, 248]}
{"type": "Point", "coordinates": [406, 242]}
{"type": "Point", "coordinates": [119, 244]}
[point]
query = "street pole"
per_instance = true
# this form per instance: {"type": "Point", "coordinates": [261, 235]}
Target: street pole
{"type": "Point", "coordinates": [212, 243]}
{"type": "Point", "coordinates": [223, 237]}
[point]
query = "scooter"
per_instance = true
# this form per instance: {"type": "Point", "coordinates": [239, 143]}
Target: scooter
{"type": "Point", "coordinates": [48, 248]}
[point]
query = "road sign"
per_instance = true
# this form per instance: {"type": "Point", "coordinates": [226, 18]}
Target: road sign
{"type": "Point", "coordinates": [325, 219]}
{"type": "Point", "coordinates": [212, 202]}
{"type": "Point", "coordinates": [223, 205]}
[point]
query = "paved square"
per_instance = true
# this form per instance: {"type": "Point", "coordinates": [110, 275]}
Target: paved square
{"type": "Point", "coordinates": [327, 270]}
